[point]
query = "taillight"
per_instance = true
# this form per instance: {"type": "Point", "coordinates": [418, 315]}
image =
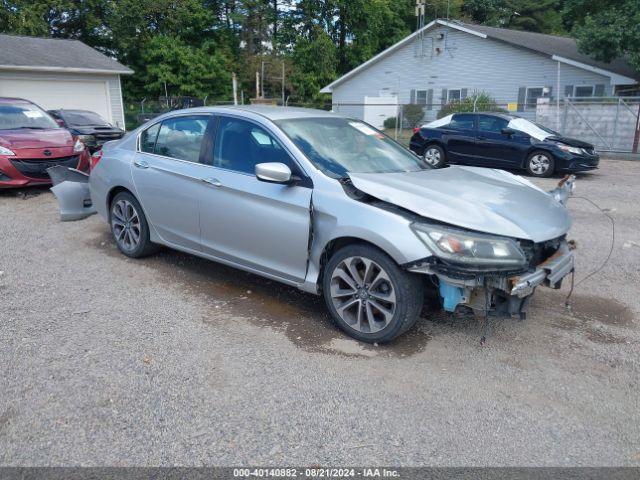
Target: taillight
{"type": "Point", "coordinates": [95, 158]}
{"type": "Point", "coordinates": [416, 129]}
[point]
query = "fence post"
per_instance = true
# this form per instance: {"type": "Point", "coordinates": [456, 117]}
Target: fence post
{"type": "Point", "coordinates": [615, 126]}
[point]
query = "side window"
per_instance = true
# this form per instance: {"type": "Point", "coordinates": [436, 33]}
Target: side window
{"type": "Point", "coordinates": [181, 138]}
{"type": "Point", "coordinates": [489, 123]}
{"type": "Point", "coordinates": [241, 145]}
{"type": "Point", "coordinates": [148, 138]}
{"type": "Point", "coordinates": [462, 121]}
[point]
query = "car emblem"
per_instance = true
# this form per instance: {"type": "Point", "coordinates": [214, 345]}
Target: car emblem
{"type": "Point", "coordinates": [47, 153]}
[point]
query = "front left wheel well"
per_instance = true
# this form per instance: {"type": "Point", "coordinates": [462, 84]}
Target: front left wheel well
{"type": "Point", "coordinates": [336, 244]}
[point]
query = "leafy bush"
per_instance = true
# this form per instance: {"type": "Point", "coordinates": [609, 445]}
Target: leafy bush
{"type": "Point", "coordinates": [390, 123]}
{"type": "Point", "coordinates": [413, 114]}
{"type": "Point", "coordinates": [483, 103]}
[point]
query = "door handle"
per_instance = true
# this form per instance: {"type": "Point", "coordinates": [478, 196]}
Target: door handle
{"type": "Point", "coordinates": [212, 181]}
{"type": "Point", "coordinates": [141, 164]}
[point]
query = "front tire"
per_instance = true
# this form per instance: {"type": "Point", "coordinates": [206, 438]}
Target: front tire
{"type": "Point", "coordinates": [369, 297]}
{"type": "Point", "coordinates": [540, 164]}
{"type": "Point", "coordinates": [129, 226]}
{"type": "Point", "coordinates": [434, 156]}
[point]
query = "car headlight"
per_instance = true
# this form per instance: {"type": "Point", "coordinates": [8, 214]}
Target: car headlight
{"type": "Point", "coordinates": [87, 139]}
{"type": "Point", "coordinates": [469, 247]}
{"type": "Point", "coordinates": [5, 151]}
{"type": "Point", "coordinates": [575, 150]}
{"type": "Point", "coordinates": [78, 147]}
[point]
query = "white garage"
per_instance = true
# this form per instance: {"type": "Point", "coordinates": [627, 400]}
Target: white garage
{"type": "Point", "coordinates": [56, 73]}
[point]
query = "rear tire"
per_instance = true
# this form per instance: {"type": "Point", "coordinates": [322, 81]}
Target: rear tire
{"type": "Point", "coordinates": [540, 164]}
{"type": "Point", "coordinates": [434, 156]}
{"type": "Point", "coordinates": [129, 226]}
{"type": "Point", "coordinates": [369, 296]}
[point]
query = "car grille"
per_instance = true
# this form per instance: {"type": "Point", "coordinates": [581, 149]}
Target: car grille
{"type": "Point", "coordinates": [105, 137]}
{"type": "Point", "coordinates": [37, 168]}
{"type": "Point", "coordinates": [590, 151]}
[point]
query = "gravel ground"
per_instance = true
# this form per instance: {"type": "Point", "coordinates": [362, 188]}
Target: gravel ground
{"type": "Point", "coordinates": [173, 360]}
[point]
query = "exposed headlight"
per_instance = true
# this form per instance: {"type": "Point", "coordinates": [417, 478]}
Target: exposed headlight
{"type": "Point", "coordinates": [575, 150]}
{"type": "Point", "coordinates": [5, 151]}
{"type": "Point", "coordinates": [78, 147]}
{"type": "Point", "coordinates": [87, 139]}
{"type": "Point", "coordinates": [468, 247]}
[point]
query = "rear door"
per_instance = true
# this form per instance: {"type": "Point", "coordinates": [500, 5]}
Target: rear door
{"type": "Point", "coordinates": [168, 174]}
{"type": "Point", "coordinates": [459, 137]}
{"type": "Point", "coordinates": [262, 226]}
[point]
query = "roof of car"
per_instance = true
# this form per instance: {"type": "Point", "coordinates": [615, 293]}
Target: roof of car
{"type": "Point", "coordinates": [271, 112]}
{"type": "Point", "coordinates": [54, 54]}
{"type": "Point", "coordinates": [13, 100]}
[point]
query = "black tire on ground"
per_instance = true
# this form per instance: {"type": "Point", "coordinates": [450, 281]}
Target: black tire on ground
{"type": "Point", "coordinates": [132, 216]}
{"type": "Point", "coordinates": [434, 156]}
{"type": "Point", "coordinates": [384, 280]}
{"type": "Point", "coordinates": [540, 164]}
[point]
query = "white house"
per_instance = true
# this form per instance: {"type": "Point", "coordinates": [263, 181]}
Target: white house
{"type": "Point", "coordinates": [57, 73]}
{"type": "Point", "coordinates": [447, 60]}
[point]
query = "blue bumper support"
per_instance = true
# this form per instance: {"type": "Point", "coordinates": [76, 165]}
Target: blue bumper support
{"type": "Point", "coordinates": [451, 296]}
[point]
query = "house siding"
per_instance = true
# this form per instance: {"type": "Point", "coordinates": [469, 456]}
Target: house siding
{"type": "Point", "coordinates": [112, 87]}
{"type": "Point", "coordinates": [468, 62]}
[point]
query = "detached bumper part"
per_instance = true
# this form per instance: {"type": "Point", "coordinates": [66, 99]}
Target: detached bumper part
{"type": "Point", "coordinates": [71, 188]}
{"type": "Point", "coordinates": [550, 273]}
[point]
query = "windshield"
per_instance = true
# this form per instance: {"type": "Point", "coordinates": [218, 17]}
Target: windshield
{"type": "Point", "coordinates": [82, 118]}
{"type": "Point", "coordinates": [533, 129]}
{"type": "Point", "coordinates": [24, 115]}
{"type": "Point", "coordinates": [338, 146]}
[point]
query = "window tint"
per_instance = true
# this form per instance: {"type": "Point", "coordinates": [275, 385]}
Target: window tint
{"type": "Point", "coordinates": [148, 138]}
{"type": "Point", "coordinates": [241, 145]}
{"type": "Point", "coordinates": [489, 123]}
{"type": "Point", "coordinates": [181, 138]}
{"type": "Point", "coordinates": [462, 122]}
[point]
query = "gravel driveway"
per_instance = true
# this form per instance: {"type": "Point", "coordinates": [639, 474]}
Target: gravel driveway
{"type": "Point", "coordinates": [173, 360]}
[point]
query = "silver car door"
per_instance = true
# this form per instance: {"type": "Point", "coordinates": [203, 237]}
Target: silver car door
{"type": "Point", "coordinates": [263, 226]}
{"type": "Point", "coordinates": [168, 177]}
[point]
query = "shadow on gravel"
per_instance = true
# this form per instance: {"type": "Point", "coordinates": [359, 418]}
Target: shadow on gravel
{"type": "Point", "coordinates": [24, 193]}
{"type": "Point", "coordinates": [304, 320]}
{"type": "Point", "coordinates": [302, 317]}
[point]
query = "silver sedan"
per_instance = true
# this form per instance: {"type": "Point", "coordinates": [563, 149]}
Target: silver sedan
{"type": "Point", "coordinates": [330, 205]}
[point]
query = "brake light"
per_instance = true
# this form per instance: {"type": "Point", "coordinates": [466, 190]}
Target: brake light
{"type": "Point", "coordinates": [95, 158]}
{"type": "Point", "coordinates": [416, 129]}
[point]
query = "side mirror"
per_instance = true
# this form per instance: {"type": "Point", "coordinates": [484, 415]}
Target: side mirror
{"type": "Point", "coordinates": [508, 131]}
{"type": "Point", "coordinates": [273, 172]}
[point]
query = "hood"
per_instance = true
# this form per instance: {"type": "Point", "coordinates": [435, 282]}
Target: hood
{"type": "Point", "coordinates": [572, 142]}
{"type": "Point", "coordinates": [485, 200]}
{"type": "Point", "coordinates": [27, 138]}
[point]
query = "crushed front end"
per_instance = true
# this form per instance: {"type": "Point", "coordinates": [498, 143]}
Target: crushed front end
{"type": "Point", "coordinates": [501, 289]}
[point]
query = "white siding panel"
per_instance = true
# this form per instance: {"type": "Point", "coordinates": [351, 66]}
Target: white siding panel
{"type": "Point", "coordinates": [467, 62]}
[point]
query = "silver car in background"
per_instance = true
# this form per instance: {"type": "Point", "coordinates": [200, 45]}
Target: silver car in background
{"type": "Point", "coordinates": [332, 206]}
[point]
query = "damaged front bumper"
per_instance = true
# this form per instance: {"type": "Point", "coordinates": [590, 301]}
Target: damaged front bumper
{"type": "Point", "coordinates": [71, 188]}
{"type": "Point", "coordinates": [500, 292]}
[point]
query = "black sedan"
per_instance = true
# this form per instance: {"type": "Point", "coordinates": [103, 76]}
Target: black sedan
{"type": "Point", "coordinates": [501, 141]}
{"type": "Point", "coordinates": [90, 127]}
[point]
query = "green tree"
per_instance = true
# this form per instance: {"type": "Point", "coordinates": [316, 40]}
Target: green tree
{"type": "Point", "coordinates": [184, 69]}
{"type": "Point", "coordinates": [606, 29]}
{"type": "Point", "coordinates": [315, 63]}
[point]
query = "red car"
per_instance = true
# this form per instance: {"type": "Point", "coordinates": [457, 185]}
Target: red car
{"type": "Point", "coordinates": [31, 141]}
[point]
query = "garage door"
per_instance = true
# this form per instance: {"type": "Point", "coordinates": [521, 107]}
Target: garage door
{"type": "Point", "coordinates": [55, 94]}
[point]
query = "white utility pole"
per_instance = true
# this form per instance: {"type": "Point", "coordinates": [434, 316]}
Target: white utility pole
{"type": "Point", "coordinates": [234, 82]}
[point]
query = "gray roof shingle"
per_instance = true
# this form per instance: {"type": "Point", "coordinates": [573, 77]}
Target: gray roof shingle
{"type": "Point", "coordinates": [553, 45]}
{"type": "Point", "coordinates": [54, 53]}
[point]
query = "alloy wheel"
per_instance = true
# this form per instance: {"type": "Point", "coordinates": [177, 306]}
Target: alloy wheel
{"type": "Point", "coordinates": [125, 222]}
{"type": "Point", "coordinates": [539, 164]}
{"type": "Point", "coordinates": [432, 156]}
{"type": "Point", "coordinates": [363, 294]}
